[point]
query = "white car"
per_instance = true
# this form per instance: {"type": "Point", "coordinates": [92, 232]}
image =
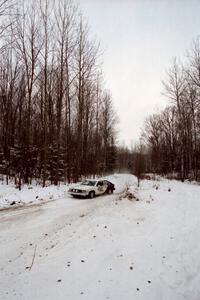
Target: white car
{"type": "Point", "coordinates": [91, 188]}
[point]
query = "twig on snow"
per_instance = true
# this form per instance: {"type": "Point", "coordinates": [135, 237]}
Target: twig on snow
{"type": "Point", "coordinates": [33, 258]}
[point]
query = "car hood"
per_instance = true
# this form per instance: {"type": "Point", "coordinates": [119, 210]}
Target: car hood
{"type": "Point", "coordinates": [82, 187]}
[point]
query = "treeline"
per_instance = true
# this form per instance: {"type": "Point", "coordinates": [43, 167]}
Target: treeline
{"type": "Point", "coordinates": [135, 159]}
{"type": "Point", "coordinates": [56, 119]}
{"type": "Point", "coordinates": [173, 135]}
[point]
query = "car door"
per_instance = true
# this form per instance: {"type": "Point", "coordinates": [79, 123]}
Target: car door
{"type": "Point", "coordinates": [100, 187]}
{"type": "Point", "coordinates": [106, 184]}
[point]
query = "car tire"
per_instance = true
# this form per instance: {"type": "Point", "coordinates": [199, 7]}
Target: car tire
{"type": "Point", "coordinates": [110, 191]}
{"type": "Point", "coordinates": [92, 195]}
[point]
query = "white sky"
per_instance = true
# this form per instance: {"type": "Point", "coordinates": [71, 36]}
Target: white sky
{"type": "Point", "coordinates": [139, 39]}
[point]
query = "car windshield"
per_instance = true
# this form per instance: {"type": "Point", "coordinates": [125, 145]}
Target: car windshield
{"type": "Point", "coordinates": [89, 182]}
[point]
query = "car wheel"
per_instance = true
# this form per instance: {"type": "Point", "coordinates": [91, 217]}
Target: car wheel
{"type": "Point", "coordinates": [110, 191]}
{"type": "Point", "coordinates": [92, 194]}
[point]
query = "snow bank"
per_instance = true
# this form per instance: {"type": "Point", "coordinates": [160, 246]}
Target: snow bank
{"type": "Point", "coordinates": [9, 195]}
{"type": "Point", "coordinates": [29, 194]}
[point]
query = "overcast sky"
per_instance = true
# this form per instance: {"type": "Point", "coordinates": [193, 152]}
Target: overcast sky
{"type": "Point", "coordinates": [140, 38]}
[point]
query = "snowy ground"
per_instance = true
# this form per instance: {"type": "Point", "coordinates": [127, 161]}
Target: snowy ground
{"type": "Point", "coordinates": [34, 194]}
{"type": "Point", "coordinates": [104, 248]}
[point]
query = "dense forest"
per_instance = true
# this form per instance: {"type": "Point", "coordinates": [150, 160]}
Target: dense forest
{"type": "Point", "coordinates": [57, 120]}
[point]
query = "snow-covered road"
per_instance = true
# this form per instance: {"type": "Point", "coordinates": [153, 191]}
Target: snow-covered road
{"type": "Point", "coordinates": [104, 248]}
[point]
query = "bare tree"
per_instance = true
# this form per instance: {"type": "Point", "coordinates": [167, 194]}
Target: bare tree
{"type": "Point", "coordinates": [175, 88]}
{"type": "Point", "coordinates": [28, 46]}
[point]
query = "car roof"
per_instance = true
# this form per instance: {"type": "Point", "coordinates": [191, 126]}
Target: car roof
{"type": "Point", "coordinates": [98, 179]}
{"type": "Point", "coordinates": [90, 179]}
